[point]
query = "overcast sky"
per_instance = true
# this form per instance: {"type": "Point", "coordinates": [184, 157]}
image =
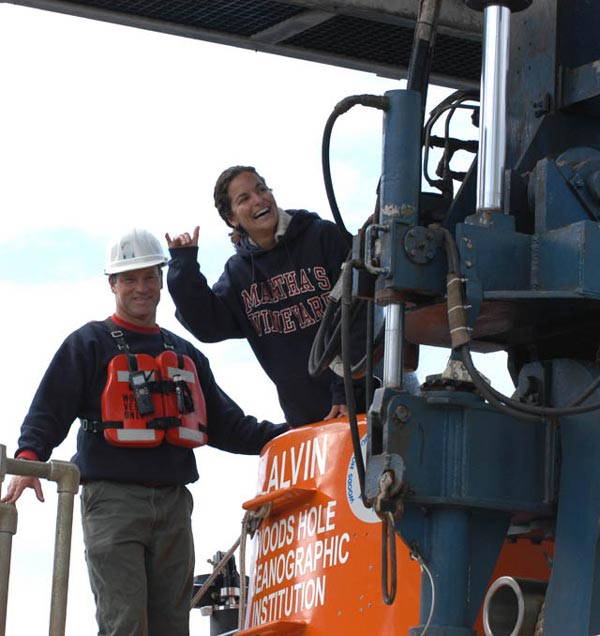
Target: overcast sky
{"type": "Point", "coordinates": [105, 127]}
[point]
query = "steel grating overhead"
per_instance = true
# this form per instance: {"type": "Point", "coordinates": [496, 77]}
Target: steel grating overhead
{"type": "Point", "coordinates": [226, 16]}
{"type": "Point", "coordinates": [369, 35]}
{"type": "Point", "coordinates": [389, 45]}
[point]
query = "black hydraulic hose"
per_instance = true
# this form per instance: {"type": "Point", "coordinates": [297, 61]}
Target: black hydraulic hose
{"type": "Point", "coordinates": [484, 389]}
{"type": "Point", "coordinates": [453, 259]}
{"type": "Point", "coordinates": [371, 101]}
{"type": "Point", "coordinates": [327, 343]}
{"type": "Point", "coordinates": [452, 255]}
{"type": "Point", "coordinates": [452, 104]}
{"type": "Point", "coordinates": [541, 412]}
{"type": "Point", "coordinates": [508, 405]}
{"type": "Point", "coordinates": [376, 344]}
{"type": "Point", "coordinates": [326, 347]}
{"type": "Point", "coordinates": [347, 366]}
{"type": "Point", "coordinates": [421, 54]}
{"type": "Point", "coordinates": [322, 351]}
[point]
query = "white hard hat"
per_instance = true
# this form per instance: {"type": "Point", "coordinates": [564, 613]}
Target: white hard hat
{"type": "Point", "coordinates": [135, 249]}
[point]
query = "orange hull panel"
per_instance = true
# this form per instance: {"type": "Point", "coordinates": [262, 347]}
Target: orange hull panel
{"type": "Point", "coordinates": [316, 567]}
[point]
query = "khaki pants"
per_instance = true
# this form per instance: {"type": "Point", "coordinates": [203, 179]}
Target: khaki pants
{"type": "Point", "coordinates": [140, 557]}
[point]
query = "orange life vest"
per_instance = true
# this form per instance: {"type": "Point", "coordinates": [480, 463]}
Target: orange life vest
{"type": "Point", "coordinates": [149, 400]}
{"type": "Point", "coordinates": [187, 401]}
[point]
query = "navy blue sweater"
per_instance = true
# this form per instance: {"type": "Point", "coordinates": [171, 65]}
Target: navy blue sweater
{"type": "Point", "coordinates": [275, 299]}
{"type": "Point", "coordinates": [72, 387]}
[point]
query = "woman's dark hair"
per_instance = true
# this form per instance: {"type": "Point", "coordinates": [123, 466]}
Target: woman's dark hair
{"type": "Point", "coordinates": [223, 200]}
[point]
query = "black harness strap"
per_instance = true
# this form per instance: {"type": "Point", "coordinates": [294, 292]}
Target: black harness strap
{"type": "Point", "coordinates": [122, 346]}
{"type": "Point", "coordinates": [162, 423]}
{"type": "Point", "coordinates": [185, 402]}
{"type": "Point", "coordinates": [93, 426]}
{"type": "Point", "coordinates": [139, 381]}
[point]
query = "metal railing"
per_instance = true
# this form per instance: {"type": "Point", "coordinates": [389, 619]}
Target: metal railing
{"type": "Point", "coordinates": [66, 476]}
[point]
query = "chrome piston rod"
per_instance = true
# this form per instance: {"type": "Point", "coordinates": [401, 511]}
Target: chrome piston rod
{"type": "Point", "coordinates": [492, 125]}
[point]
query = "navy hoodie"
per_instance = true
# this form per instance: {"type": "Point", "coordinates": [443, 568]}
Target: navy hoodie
{"type": "Point", "coordinates": [275, 299]}
{"type": "Point", "coordinates": [72, 387]}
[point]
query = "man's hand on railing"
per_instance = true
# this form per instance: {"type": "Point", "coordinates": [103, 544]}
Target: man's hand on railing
{"type": "Point", "coordinates": [18, 484]}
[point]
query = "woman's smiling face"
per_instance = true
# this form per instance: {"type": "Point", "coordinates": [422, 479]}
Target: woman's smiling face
{"type": "Point", "coordinates": [254, 208]}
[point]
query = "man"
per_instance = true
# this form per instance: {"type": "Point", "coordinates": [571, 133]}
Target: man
{"type": "Point", "coordinates": [145, 398]}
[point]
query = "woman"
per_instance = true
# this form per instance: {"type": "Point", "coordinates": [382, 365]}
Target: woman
{"type": "Point", "coordinates": [273, 291]}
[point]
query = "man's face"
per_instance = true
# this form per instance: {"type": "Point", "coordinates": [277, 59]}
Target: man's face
{"type": "Point", "coordinates": [137, 294]}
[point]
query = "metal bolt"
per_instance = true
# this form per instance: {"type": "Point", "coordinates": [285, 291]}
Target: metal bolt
{"type": "Point", "coordinates": [402, 413]}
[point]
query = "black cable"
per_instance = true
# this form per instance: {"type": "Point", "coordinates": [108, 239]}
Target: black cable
{"type": "Point", "coordinates": [327, 343]}
{"type": "Point", "coordinates": [483, 387]}
{"type": "Point", "coordinates": [452, 255]}
{"type": "Point", "coordinates": [371, 101]}
{"type": "Point", "coordinates": [323, 351]}
{"type": "Point", "coordinates": [449, 145]}
{"type": "Point", "coordinates": [421, 55]}
{"type": "Point", "coordinates": [348, 388]}
{"type": "Point", "coordinates": [504, 403]}
{"type": "Point", "coordinates": [541, 412]}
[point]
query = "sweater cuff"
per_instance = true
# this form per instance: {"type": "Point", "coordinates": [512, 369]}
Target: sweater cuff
{"type": "Point", "coordinates": [26, 453]}
{"type": "Point", "coordinates": [189, 253]}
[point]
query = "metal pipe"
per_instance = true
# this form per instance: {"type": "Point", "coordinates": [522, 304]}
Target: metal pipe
{"type": "Point", "coordinates": [28, 468]}
{"type": "Point", "coordinates": [8, 527]}
{"type": "Point", "coordinates": [512, 606]}
{"type": "Point", "coordinates": [66, 476]}
{"type": "Point", "coordinates": [62, 560]}
{"type": "Point", "coordinates": [401, 164]}
{"type": "Point", "coordinates": [400, 179]}
{"type": "Point", "coordinates": [394, 346]}
{"type": "Point", "coordinates": [492, 120]}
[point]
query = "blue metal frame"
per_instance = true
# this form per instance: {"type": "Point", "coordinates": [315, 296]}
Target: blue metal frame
{"type": "Point", "coordinates": [465, 470]}
{"type": "Point", "coordinates": [462, 469]}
